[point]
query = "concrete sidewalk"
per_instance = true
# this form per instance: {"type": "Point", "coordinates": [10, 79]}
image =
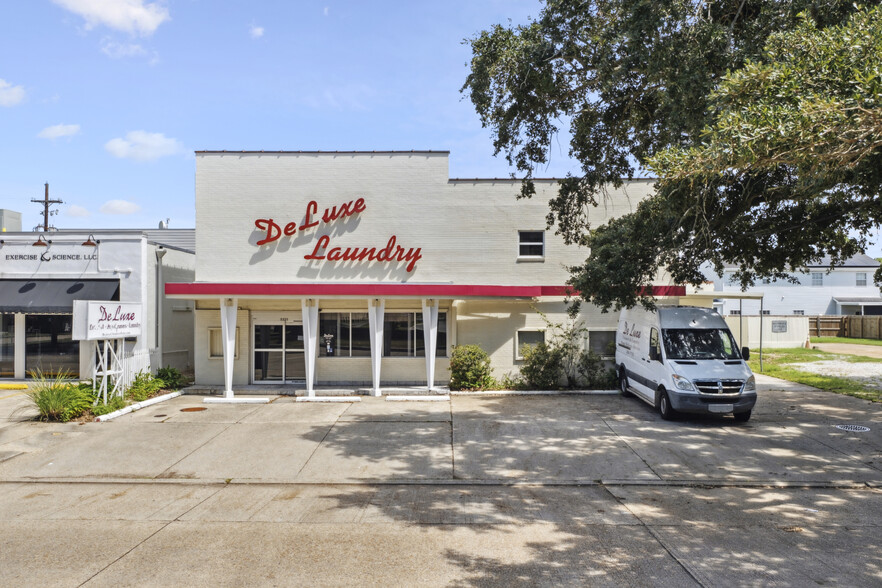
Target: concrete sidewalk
{"type": "Point", "coordinates": [477, 490]}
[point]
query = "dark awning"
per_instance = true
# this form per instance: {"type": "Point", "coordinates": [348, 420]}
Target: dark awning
{"type": "Point", "coordinates": [53, 296]}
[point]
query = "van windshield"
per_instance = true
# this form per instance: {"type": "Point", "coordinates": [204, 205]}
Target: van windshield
{"type": "Point", "coordinates": [699, 344]}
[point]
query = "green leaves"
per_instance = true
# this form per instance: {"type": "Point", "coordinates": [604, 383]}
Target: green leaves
{"type": "Point", "coordinates": [761, 119]}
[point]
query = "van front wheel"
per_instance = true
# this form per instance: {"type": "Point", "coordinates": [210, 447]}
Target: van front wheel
{"type": "Point", "coordinates": [665, 409]}
{"type": "Point", "coordinates": [623, 383]}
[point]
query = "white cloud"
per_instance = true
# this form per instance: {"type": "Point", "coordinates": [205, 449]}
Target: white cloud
{"type": "Point", "coordinates": [59, 131]}
{"type": "Point", "coordinates": [10, 95]}
{"type": "Point", "coordinates": [143, 146]}
{"type": "Point", "coordinates": [116, 50]}
{"type": "Point", "coordinates": [255, 31]}
{"type": "Point", "coordinates": [129, 16]}
{"type": "Point", "coordinates": [120, 50]}
{"type": "Point", "coordinates": [78, 211]}
{"type": "Point", "coordinates": [326, 10]}
{"type": "Point", "coordinates": [119, 207]}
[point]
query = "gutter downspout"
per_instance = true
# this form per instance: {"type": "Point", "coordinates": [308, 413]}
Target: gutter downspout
{"type": "Point", "coordinates": [160, 253]}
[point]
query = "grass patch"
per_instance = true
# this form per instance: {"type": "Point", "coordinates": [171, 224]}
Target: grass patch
{"type": "Point", "coordinates": [783, 364]}
{"type": "Point", "coordinates": [875, 342]}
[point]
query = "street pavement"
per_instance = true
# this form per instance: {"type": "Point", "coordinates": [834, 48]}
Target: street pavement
{"type": "Point", "coordinates": [478, 491]}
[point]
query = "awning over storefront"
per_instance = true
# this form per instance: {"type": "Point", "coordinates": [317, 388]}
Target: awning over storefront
{"type": "Point", "coordinates": [52, 296]}
{"type": "Point", "coordinates": [214, 290]}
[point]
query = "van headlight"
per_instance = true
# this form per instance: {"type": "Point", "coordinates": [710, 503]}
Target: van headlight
{"type": "Point", "coordinates": [750, 385]}
{"type": "Point", "coordinates": [682, 383]}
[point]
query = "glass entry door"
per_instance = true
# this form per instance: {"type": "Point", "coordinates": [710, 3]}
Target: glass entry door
{"type": "Point", "coordinates": [278, 353]}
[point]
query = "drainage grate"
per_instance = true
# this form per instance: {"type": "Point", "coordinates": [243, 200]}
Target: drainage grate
{"type": "Point", "coordinates": [193, 409]}
{"type": "Point", "coordinates": [853, 428]}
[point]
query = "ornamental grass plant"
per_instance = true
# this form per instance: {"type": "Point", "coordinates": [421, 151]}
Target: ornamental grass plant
{"type": "Point", "coordinates": [56, 398]}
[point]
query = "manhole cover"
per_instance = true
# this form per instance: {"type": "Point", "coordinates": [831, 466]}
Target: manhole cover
{"type": "Point", "coordinates": [193, 409]}
{"type": "Point", "coordinates": [853, 428]}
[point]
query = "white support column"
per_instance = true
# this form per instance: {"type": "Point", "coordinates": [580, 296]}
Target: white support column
{"type": "Point", "coordinates": [18, 361]}
{"type": "Point", "coordinates": [228, 308]}
{"type": "Point", "coordinates": [310, 341]}
{"type": "Point", "coordinates": [376, 309]}
{"type": "Point", "coordinates": [430, 337]}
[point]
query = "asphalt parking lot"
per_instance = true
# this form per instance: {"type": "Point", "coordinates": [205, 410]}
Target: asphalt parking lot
{"type": "Point", "coordinates": [480, 490]}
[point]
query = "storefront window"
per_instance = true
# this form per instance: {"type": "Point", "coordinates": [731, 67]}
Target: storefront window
{"type": "Point", "coordinates": [7, 345]}
{"type": "Point", "coordinates": [403, 335]}
{"type": "Point", "coordinates": [50, 349]}
{"type": "Point", "coordinates": [344, 334]}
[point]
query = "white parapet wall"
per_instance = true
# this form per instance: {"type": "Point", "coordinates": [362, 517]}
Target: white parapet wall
{"type": "Point", "coordinates": [777, 331]}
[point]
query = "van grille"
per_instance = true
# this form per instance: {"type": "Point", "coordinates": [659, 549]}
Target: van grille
{"type": "Point", "coordinates": [719, 386]}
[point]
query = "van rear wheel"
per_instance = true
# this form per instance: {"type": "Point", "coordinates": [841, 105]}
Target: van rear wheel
{"type": "Point", "coordinates": [623, 383]}
{"type": "Point", "coordinates": [665, 409]}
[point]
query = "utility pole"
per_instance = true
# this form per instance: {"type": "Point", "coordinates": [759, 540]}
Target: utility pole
{"type": "Point", "coordinates": [46, 212]}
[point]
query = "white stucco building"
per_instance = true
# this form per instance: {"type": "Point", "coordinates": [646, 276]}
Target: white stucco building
{"type": "Point", "coordinates": [41, 274]}
{"type": "Point", "coordinates": [848, 289]}
{"type": "Point", "coordinates": [349, 268]}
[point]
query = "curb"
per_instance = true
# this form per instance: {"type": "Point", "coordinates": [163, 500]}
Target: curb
{"type": "Point", "coordinates": [137, 406]}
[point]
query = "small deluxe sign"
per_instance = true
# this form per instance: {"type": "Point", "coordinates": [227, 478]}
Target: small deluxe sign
{"type": "Point", "coordinates": [104, 319]}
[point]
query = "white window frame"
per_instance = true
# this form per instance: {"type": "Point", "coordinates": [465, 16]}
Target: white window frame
{"type": "Point", "coordinates": [520, 243]}
{"type": "Point", "coordinates": [734, 312]}
{"type": "Point", "coordinates": [517, 350]}
{"type": "Point", "coordinates": [767, 312]}
{"type": "Point", "coordinates": [799, 312]}
{"type": "Point", "coordinates": [817, 279]}
{"type": "Point", "coordinates": [860, 279]}
{"type": "Point", "coordinates": [235, 345]}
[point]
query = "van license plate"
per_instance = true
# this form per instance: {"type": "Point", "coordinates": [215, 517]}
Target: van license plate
{"type": "Point", "coordinates": [721, 407]}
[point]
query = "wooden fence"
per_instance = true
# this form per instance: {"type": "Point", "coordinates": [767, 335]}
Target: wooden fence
{"type": "Point", "coordinates": [851, 326]}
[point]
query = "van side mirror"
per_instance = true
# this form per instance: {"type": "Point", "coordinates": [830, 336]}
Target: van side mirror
{"type": "Point", "coordinates": [745, 353]}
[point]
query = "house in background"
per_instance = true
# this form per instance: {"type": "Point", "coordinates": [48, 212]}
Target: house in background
{"type": "Point", "coordinates": [847, 289]}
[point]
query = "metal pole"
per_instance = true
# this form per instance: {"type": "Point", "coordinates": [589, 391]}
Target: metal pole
{"type": "Point", "coordinates": [740, 322]}
{"type": "Point", "coordinates": [761, 334]}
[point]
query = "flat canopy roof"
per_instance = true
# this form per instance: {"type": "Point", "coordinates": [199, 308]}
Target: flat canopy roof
{"type": "Point", "coordinates": [858, 300]}
{"type": "Point", "coordinates": [255, 290]}
{"type": "Point", "coordinates": [52, 296]}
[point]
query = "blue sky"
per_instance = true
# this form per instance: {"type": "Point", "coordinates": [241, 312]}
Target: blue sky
{"type": "Point", "coordinates": [107, 99]}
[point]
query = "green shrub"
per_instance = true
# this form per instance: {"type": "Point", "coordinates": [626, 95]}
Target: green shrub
{"type": "Point", "coordinates": [595, 375]}
{"type": "Point", "coordinates": [56, 399]}
{"type": "Point", "coordinates": [144, 386]}
{"type": "Point", "coordinates": [543, 366]}
{"type": "Point", "coordinates": [470, 368]}
{"type": "Point", "coordinates": [172, 377]}
{"type": "Point", "coordinates": [510, 382]}
{"type": "Point", "coordinates": [113, 404]}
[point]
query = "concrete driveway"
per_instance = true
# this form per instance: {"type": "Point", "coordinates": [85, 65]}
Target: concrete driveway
{"type": "Point", "coordinates": [481, 490]}
{"type": "Point", "coordinates": [873, 351]}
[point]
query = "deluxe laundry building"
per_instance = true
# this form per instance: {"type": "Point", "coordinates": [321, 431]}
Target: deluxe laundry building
{"type": "Point", "coordinates": [42, 274]}
{"type": "Point", "coordinates": [365, 268]}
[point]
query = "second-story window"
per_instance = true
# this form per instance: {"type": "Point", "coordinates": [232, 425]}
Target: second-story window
{"type": "Point", "coordinates": [817, 279]}
{"type": "Point", "coordinates": [860, 279]}
{"type": "Point", "coordinates": [531, 244]}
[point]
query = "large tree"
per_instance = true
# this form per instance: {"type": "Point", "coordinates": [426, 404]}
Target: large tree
{"type": "Point", "coordinates": [643, 84]}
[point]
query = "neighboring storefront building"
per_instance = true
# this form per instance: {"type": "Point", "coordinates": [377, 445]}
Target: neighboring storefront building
{"type": "Point", "coordinates": [41, 274]}
{"type": "Point", "coordinates": [348, 268]}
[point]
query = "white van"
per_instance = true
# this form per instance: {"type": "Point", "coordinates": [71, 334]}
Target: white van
{"type": "Point", "coordinates": [683, 359]}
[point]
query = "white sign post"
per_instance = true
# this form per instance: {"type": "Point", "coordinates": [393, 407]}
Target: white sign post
{"type": "Point", "coordinates": [110, 322]}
